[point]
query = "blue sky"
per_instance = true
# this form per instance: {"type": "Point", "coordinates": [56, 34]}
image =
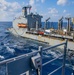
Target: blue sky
{"type": "Point", "coordinates": [9, 9]}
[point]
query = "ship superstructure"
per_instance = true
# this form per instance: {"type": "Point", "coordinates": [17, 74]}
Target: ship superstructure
{"type": "Point", "coordinates": [27, 20]}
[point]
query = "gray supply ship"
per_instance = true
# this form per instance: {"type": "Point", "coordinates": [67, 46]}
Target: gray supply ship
{"type": "Point", "coordinates": [29, 26]}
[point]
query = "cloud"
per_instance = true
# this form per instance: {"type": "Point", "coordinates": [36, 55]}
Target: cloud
{"type": "Point", "coordinates": [37, 0]}
{"type": "Point", "coordinates": [31, 2]}
{"type": "Point", "coordinates": [42, 1]}
{"type": "Point", "coordinates": [8, 9]}
{"type": "Point", "coordinates": [68, 15]}
{"type": "Point", "coordinates": [64, 11]}
{"type": "Point", "coordinates": [55, 15]}
{"type": "Point", "coordinates": [7, 5]}
{"type": "Point", "coordinates": [72, 2]}
{"type": "Point", "coordinates": [53, 11]}
{"type": "Point", "coordinates": [62, 2]}
{"type": "Point", "coordinates": [34, 4]}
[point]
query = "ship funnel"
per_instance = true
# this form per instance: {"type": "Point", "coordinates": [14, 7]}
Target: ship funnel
{"type": "Point", "coordinates": [24, 10]}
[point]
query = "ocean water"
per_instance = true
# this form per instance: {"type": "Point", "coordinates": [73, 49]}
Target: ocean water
{"type": "Point", "coordinates": [12, 46]}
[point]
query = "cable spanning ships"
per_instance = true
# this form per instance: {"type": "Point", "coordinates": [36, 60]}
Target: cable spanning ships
{"type": "Point", "coordinates": [29, 26]}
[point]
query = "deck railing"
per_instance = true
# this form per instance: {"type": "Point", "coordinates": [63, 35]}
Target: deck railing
{"type": "Point", "coordinates": [41, 51]}
{"type": "Point", "coordinates": [64, 57]}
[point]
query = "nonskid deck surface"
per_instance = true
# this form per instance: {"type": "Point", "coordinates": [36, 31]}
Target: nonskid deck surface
{"type": "Point", "coordinates": [50, 40]}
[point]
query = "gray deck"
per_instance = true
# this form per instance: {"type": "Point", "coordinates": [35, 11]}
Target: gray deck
{"type": "Point", "coordinates": [50, 40]}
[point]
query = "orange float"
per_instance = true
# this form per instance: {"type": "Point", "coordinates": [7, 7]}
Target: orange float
{"type": "Point", "coordinates": [22, 25]}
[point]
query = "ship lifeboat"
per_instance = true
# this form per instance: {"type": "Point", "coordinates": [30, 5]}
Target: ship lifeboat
{"type": "Point", "coordinates": [22, 25]}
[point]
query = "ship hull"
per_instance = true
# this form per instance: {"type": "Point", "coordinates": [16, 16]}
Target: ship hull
{"type": "Point", "coordinates": [51, 41]}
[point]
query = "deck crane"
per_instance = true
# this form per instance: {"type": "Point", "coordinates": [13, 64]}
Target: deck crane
{"type": "Point", "coordinates": [46, 22]}
{"type": "Point", "coordinates": [60, 23]}
{"type": "Point", "coordinates": [68, 26]}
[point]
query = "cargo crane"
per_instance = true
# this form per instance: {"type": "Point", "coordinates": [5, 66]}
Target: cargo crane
{"type": "Point", "coordinates": [60, 23]}
{"type": "Point", "coordinates": [46, 22]}
{"type": "Point", "coordinates": [68, 26]}
{"type": "Point", "coordinates": [34, 17]}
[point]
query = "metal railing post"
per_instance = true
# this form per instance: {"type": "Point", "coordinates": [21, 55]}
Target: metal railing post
{"type": "Point", "coordinates": [40, 51]}
{"type": "Point", "coordinates": [64, 58]}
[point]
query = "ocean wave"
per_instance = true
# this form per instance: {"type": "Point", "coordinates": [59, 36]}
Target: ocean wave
{"type": "Point", "coordinates": [12, 51]}
{"type": "Point", "coordinates": [2, 57]}
{"type": "Point", "coordinates": [2, 70]}
{"type": "Point", "coordinates": [53, 53]}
